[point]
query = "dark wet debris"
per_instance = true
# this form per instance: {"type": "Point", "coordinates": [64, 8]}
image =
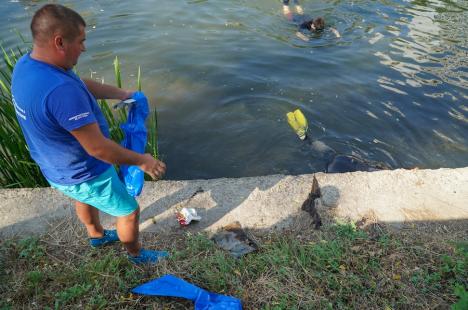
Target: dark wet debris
{"type": "Point", "coordinates": [309, 204]}
{"type": "Point", "coordinates": [235, 240]}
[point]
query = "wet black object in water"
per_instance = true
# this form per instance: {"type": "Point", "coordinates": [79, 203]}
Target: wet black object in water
{"type": "Point", "coordinates": [339, 163]}
{"type": "Point", "coordinates": [348, 163]}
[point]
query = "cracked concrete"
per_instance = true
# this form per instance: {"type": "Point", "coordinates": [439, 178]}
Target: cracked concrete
{"type": "Point", "coordinates": [268, 202]}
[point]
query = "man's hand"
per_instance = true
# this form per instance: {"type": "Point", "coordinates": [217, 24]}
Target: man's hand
{"type": "Point", "coordinates": [155, 168]}
{"type": "Point", "coordinates": [335, 32]}
{"type": "Point", "coordinates": [95, 144]}
{"type": "Point", "coordinates": [302, 36]}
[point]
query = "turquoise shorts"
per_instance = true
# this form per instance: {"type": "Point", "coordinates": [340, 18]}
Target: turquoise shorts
{"type": "Point", "coordinates": [105, 192]}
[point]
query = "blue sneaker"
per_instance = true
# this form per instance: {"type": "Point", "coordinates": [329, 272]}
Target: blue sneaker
{"type": "Point", "coordinates": [110, 236]}
{"type": "Point", "coordinates": [148, 256]}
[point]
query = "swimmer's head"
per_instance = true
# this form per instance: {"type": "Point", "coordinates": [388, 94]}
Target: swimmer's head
{"type": "Point", "coordinates": [319, 23]}
{"type": "Point", "coordinates": [314, 24]}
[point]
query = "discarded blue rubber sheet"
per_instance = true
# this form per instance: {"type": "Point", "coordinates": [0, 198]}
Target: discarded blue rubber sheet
{"type": "Point", "coordinates": [135, 137]}
{"type": "Point", "coordinates": [172, 286]}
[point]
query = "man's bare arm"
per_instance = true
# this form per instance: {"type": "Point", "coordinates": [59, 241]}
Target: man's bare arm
{"type": "Point", "coordinates": [335, 32]}
{"type": "Point", "coordinates": [105, 91]}
{"type": "Point", "coordinates": [97, 145]}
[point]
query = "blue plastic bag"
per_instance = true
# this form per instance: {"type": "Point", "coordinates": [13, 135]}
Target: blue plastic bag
{"type": "Point", "coordinates": [135, 137]}
{"type": "Point", "coordinates": [172, 286]}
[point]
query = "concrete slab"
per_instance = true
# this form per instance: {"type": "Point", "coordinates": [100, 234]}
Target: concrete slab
{"type": "Point", "coordinates": [269, 202]}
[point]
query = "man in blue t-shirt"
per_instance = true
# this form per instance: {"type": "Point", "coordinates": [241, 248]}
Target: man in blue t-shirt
{"type": "Point", "coordinates": [67, 134]}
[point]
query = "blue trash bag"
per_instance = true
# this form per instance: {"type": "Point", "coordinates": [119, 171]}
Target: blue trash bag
{"type": "Point", "coordinates": [135, 137]}
{"type": "Point", "coordinates": [172, 286]}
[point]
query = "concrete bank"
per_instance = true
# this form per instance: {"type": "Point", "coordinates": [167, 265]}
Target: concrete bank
{"type": "Point", "coordinates": [269, 202]}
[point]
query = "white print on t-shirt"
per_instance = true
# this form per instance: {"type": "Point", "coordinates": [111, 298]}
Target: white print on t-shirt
{"type": "Point", "coordinates": [79, 116]}
{"type": "Point", "coordinates": [20, 112]}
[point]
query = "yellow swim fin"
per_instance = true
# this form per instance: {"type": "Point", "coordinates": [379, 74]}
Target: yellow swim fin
{"type": "Point", "coordinates": [292, 121]}
{"type": "Point", "coordinates": [298, 123]}
{"type": "Point", "coordinates": [301, 120]}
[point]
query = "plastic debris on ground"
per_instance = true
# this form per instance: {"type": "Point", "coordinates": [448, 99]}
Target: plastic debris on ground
{"type": "Point", "coordinates": [135, 137]}
{"type": "Point", "coordinates": [186, 215]}
{"type": "Point", "coordinates": [234, 239]}
{"type": "Point", "coordinates": [171, 286]}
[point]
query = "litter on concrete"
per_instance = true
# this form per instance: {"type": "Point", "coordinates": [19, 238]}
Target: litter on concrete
{"type": "Point", "coordinates": [186, 215]}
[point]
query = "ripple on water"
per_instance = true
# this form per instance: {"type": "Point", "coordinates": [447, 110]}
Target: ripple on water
{"type": "Point", "coordinates": [224, 73]}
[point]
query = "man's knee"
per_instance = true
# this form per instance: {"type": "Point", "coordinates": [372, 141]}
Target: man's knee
{"type": "Point", "coordinates": [80, 204]}
{"type": "Point", "coordinates": [132, 217]}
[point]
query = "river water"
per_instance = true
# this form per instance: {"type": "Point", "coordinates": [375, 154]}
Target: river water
{"type": "Point", "coordinates": [223, 74]}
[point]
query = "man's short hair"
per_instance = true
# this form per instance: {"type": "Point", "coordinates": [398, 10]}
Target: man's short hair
{"type": "Point", "coordinates": [319, 23]}
{"type": "Point", "coordinates": [52, 19]}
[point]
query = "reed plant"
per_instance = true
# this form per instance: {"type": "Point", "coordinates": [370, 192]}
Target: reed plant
{"type": "Point", "coordinates": [118, 117]}
{"type": "Point", "coordinates": [17, 169]}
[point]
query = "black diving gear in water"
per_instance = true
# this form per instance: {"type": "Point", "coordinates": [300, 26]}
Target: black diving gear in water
{"type": "Point", "coordinates": [348, 163]}
{"type": "Point", "coordinates": [339, 163]}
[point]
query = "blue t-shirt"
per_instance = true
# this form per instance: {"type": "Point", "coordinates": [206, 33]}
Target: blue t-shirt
{"type": "Point", "coordinates": [50, 102]}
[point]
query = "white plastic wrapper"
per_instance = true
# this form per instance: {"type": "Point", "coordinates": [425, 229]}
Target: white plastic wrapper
{"type": "Point", "coordinates": [187, 215]}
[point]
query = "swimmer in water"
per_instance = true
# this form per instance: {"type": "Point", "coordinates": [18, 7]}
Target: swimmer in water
{"type": "Point", "coordinates": [315, 26]}
{"type": "Point", "coordinates": [306, 24]}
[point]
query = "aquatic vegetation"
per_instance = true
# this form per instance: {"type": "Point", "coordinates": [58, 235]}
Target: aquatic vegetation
{"type": "Point", "coordinates": [17, 169]}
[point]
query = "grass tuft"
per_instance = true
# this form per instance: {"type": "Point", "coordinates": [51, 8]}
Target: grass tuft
{"type": "Point", "coordinates": [339, 267]}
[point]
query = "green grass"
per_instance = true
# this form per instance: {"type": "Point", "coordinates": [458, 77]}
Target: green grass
{"type": "Point", "coordinates": [341, 267]}
{"type": "Point", "coordinates": [17, 169]}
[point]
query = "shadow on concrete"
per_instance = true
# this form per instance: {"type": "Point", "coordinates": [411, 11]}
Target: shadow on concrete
{"type": "Point", "coordinates": [39, 225]}
{"type": "Point", "coordinates": [32, 211]}
{"type": "Point", "coordinates": [266, 203]}
{"type": "Point", "coordinates": [213, 199]}
{"type": "Point", "coordinates": [253, 202]}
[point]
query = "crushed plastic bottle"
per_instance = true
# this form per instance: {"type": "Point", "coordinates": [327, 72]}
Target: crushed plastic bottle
{"type": "Point", "coordinates": [187, 215]}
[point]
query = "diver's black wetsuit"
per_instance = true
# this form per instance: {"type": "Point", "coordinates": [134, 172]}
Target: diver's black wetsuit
{"type": "Point", "coordinates": [347, 163]}
{"type": "Point", "coordinates": [339, 163]}
{"type": "Point", "coordinates": [301, 21]}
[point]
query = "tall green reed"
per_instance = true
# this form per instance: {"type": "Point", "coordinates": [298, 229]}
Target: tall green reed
{"type": "Point", "coordinates": [152, 124]}
{"type": "Point", "coordinates": [17, 169]}
{"type": "Point", "coordinates": [121, 115]}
